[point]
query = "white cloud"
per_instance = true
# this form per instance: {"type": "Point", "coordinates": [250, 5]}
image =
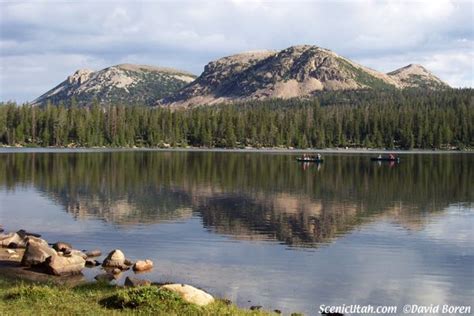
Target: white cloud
{"type": "Point", "coordinates": [188, 34]}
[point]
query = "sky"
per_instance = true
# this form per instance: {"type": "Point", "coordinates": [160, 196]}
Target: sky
{"type": "Point", "coordinates": [43, 42]}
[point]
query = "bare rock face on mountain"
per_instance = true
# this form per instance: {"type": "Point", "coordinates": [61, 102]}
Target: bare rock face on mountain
{"type": "Point", "coordinates": [297, 71]}
{"type": "Point", "coordinates": [416, 76]}
{"type": "Point", "coordinates": [120, 84]}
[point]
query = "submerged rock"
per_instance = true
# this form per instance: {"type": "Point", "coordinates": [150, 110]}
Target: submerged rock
{"type": "Point", "coordinates": [190, 294]}
{"type": "Point", "coordinates": [59, 265]}
{"type": "Point", "coordinates": [134, 282]}
{"type": "Point", "coordinates": [93, 253]}
{"type": "Point", "coordinates": [104, 277]}
{"type": "Point", "coordinates": [141, 265]}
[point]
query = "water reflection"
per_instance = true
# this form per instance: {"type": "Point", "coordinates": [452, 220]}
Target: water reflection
{"type": "Point", "coordinates": [246, 195]}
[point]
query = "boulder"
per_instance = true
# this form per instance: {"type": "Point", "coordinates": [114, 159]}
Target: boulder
{"type": "Point", "coordinates": [36, 253]}
{"type": "Point", "coordinates": [104, 277]}
{"type": "Point", "coordinates": [141, 265]}
{"type": "Point", "coordinates": [12, 240]}
{"type": "Point", "coordinates": [115, 259]}
{"type": "Point", "coordinates": [37, 240]}
{"type": "Point", "coordinates": [62, 246]}
{"type": "Point", "coordinates": [190, 294]}
{"type": "Point", "coordinates": [58, 265]}
{"type": "Point", "coordinates": [93, 253]}
{"type": "Point", "coordinates": [134, 282]}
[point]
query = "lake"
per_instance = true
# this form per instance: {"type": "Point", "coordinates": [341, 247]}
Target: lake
{"type": "Point", "coordinates": [260, 228]}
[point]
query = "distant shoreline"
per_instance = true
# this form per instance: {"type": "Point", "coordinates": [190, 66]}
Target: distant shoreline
{"type": "Point", "coordinates": [11, 149]}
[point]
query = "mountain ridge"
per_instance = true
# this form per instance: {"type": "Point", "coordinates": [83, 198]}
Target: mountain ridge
{"type": "Point", "coordinates": [297, 71]}
{"type": "Point", "coordinates": [294, 72]}
{"type": "Point", "coordinates": [122, 83]}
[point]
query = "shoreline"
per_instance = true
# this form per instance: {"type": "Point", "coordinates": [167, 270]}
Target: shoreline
{"type": "Point", "coordinates": [26, 277]}
{"type": "Point", "coordinates": [16, 273]}
{"type": "Point", "coordinates": [13, 149]}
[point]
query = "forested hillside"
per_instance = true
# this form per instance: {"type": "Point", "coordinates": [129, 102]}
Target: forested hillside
{"type": "Point", "coordinates": [398, 119]}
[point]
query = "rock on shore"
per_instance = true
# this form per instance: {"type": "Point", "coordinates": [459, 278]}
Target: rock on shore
{"type": "Point", "coordinates": [36, 253]}
{"type": "Point", "coordinates": [143, 265]}
{"type": "Point", "coordinates": [59, 265]}
{"type": "Point", "coordinates": [115, 259]}
{"type": "Point", "coordinates": [190, 294]}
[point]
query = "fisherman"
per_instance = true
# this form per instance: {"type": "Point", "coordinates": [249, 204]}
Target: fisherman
{"type": "Point", "coordinates": [319, 156]}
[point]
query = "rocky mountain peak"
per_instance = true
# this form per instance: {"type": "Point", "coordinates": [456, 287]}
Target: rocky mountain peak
{"type": "Point", "coordinates": [120, 84]}
{"type": "Point", "coordinates": [80, 76]}
{"type": "Point", "coordinates": [417, 76]}
{"type": "Point", "coordinates": [297, 71]}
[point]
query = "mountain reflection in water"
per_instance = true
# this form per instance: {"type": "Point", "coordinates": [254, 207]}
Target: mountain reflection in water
{"type": "Point", "coordinates": [251, 196]}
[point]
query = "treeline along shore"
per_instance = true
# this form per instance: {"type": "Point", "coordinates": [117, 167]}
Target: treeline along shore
{"type": "Point", "coordinates": [370, 119]}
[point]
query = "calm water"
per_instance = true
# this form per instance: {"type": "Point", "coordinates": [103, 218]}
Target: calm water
{"type": "Point", "coordinates": [260, 228]}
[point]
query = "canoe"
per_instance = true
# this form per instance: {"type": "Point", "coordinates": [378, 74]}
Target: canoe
{"type": "Point", "coordinates": [309, 160]}
{"type": "Point", "coordinates": [384, 159]}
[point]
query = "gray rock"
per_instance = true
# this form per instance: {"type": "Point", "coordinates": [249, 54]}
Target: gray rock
{"type": "Point", "coordinates": [36, 253]}
{"type": "Point", "coordinates": [58, 265]}
{"type": "Point", "coordinates": [134, 282]}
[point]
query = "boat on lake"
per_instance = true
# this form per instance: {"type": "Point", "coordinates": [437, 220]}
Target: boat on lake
{"type": "Point", "coordinates": [310, 159]}
{"type": "Point", "coordinates": [395, 159]}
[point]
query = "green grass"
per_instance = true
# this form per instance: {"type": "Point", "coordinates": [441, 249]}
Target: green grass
{"type": "Point", "coordinates": [24, 298]}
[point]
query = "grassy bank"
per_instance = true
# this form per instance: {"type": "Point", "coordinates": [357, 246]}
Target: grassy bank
{"type": "Point", "coordinates": [25, 298]}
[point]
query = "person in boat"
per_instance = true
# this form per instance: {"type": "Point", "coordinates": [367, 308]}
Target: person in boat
{"type": "Point", "coordinates": [379, 157]}
{"type": "Point", "coordinates": [391, 156]}
{"type": "Point", "coordinates": [318, 156]}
